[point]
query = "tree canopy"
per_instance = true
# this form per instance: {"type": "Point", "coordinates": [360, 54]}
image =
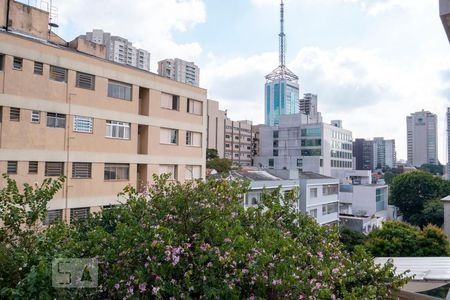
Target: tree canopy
{"type": "Point", "coordinates": [196, 240]}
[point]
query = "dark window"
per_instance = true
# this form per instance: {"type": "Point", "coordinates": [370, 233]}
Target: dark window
{"type": "Point", "coordinates": [85, 81]}
{"type": "Point", "coordinates": [12, 167]}
{"type": "Point", "coordinates": [275, 134]}
{"type": "Point", "coordinates": [55, 120]}
{"type": "Point", "coordinates": [275, 144]}
{"type": "Point", "coordinates": [117, 171]}
{"type": "Point", "coordinates": [271, 162]}
{"type": "Point", "coordinates": [79, 214]}
{"type": "Point", "coordinates": [14, 114]}
{"type": "Point", "coordinates": [81, 170]}
{"type": "Point", "coordinates": [175, 101]}
{"type": "Point", "coordinates": [119, 90]}
{"type": "Point", "coordinates": [33, 167]}
{"type": "Point", "coordinates": [17, 63]}
{"type": "Point", "coordinates": [53, 216]}
{"type": "Point", "coordinates": [38, 68]}
{"type": "Point", "coordinates": [58, 74]}
{"type": "Point", "coordinates": [275, 152]}
{"type": "Point", "coordinates": [54, 169]}
{"type": "Point", "coordinates": [35, 116]}
{"type": "Point", "coordinates": [2, 61]}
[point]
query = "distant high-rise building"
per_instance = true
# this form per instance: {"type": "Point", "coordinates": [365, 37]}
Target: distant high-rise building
{"type": "Point", "coordinates": [390, 154]}
{"type": "Point", "coordinates": [281, 88]}
{"type": "Point", "coordinates": [374, 154]}
{"type": "Point", "coordinates": [444, 7]}
{"type": "Point", "coordinates": [308, 105]}
{"type": "Point", "coordinates": [363, 153]}
{"type": "Point", "coordinates": [119, 49]}
{"type": "Point", "coordinates": [448, 143]}
{"type": "Point", "coordinates": [239, 141]}
{"type": "Point", "coordinates": [422, 138]}
{"type": "Point", "coordinates": [180, 70]}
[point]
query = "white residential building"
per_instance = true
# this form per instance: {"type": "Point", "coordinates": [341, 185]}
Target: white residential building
{"type": "Point", "coordinates": [120, 50]}
{"type": "Point", "coordinates": [180, 70]}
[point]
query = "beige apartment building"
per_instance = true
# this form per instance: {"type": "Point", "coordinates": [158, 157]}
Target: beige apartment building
{"type": "Point", "coordinates": [238, 142]}
{"type": "Point", "coordinates": [216, 127]}
{"type": "Point", "coordinates": [103, 125]}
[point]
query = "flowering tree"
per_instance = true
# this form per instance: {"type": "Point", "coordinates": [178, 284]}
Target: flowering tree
{"type": "Point", "coordinates": [195, 240]}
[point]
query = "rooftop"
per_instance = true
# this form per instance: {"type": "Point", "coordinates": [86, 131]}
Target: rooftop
{"type": "Point", "coordinates": [254, 175]}
{"type": "Point", "coordinates": [312, 175]}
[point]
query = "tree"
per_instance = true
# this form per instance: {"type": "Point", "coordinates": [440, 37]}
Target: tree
{"type": "Point", "coordinates": [196, 240]}
{"type": "Point", "coordinates": [211, 154]}
{"type": "Point", "coordinates": [433, 212]}
{"type": "Point", "coordinates": [221, 165]}
{"type": "Point", "coordinates": [433, 169]}
{"type": "Point", "coordinates": [411, 191]}
{"type": "Point", "coordinates": [351, 238]}
{"type": "Point", "coordinates": [396, 239]}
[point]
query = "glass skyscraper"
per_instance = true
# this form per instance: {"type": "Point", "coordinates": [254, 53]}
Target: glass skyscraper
{"type": "Point", "coordinates": [281, 98]}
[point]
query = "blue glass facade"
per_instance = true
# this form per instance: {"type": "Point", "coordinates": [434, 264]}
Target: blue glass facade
{"type": "Point", "coordinates": [281, 98]}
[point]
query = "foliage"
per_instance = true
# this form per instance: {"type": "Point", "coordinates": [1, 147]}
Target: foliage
{"type": "Point", "coordinates": [396, 239]}
{"type": "Point", "coordinates": [433, 169]}
{"type": "Point", "coordinates": [411, 191]}
{"type": "Point", "coordinates": [211, 154]}
{"type": "Point", "coordinates": [21, 212]}
{"type": "Point", "coordinates": [221, 165]}
{"type": "Point", "coordinates": [351, 238]}
{"type": "Point", "coordinates": [433, 212]}
{"type": "Point", "coordinates": [196, 240]}
{"type": "Point", "coordinates": [390, 174]}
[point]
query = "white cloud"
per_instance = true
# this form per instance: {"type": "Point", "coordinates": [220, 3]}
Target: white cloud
{"type": "Point", "coordinates": [148, 24]}
{"type": "Point", "coordinates": [268, 2]}
{"type": "Point", "coordinates": [374, 7]}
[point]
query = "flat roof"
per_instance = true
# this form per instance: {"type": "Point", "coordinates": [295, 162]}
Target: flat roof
{"type": "Point", "coordinates": [422, 268]}
{"type": "Point", "coordinates": [255, 175]}
{"type": "Point", "coordinates": [312, 175]}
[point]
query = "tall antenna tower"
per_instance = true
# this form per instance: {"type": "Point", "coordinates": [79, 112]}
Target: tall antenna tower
{"type": "Point", "coordinates": [282, 72]}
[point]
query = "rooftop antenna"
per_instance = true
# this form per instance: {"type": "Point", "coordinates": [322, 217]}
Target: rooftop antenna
{"type": "Point", "coordinates": [282, 36]}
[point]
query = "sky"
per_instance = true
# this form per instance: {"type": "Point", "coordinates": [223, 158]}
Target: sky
{"type": "Point", "coordinates": [371, 62]}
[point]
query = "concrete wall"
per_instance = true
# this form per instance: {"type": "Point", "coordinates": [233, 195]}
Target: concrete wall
{"type": "Point", "coordinates": [446, 202]}
{"type": "Point", "coordinates": [216, 127]}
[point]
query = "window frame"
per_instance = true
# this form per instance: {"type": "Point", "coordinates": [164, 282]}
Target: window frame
{"type": "Point", "coordinates": [16, 60]}
{"type": "Point", "coordinates": [119, 125]}
{"type": "Point", "coordinates": [117, 94]}
{"type": "Point", "coordinates": [113, 167]}
{"type": "Point", "coordinates": [14, 114]}
{"type": "Point", "coordinates": [49, 173]}
{"type": "Point", "coordinates": [194, 102]}
{"type": "Point", "coordinates": [79, 173]}
{"type": "Point", "coordinates": [85, 83]}
{"type": "Point", "coordinates": [33, 167]}
{"type": "Point", "coordinates": [56, 72]}
{"type": "Point", "coordinates": [33, 116]}
{"type": "Point", "coordinates": [38, 68]}
{"type": "Point", "coordinates": [79, 128]}
{"type": "Point", "coordinates": [58, 118]}
{"type": "Point", "coordinates": [12, 166]}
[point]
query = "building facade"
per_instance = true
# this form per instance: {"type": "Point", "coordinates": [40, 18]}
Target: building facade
{"type": "Point", "coordinates": [238, 142]}
{"type": "Point", "coordinates": [180, 70]}
{"type": "Point", "coordinates": [119, 49]}
{"type": "Point", "coordinates": [422, 138]}
{"type": "Point", "coordinates": [216, 127]}
{"type": "Point", "coordinates": [101, 125]}
{"type": "Point", "coordinates": [374, 154]}
{"type": "Point", "coordinates": [444, 9]}
{"type": "Point", "coordinates": [363, 153]}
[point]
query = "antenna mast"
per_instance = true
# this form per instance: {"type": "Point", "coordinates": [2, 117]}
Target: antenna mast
{"type": "Point", "coordinates": [282, 37]}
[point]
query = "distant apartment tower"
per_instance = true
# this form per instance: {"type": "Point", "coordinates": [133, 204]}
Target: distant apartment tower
{"type": "Point", "coordinates": [444, 8]}
{"type": "Point", "coordinates": [308, 105]}
{"type": "Point", "coordinates": [363, 153]}
{"type": "Point", "coordinates": [180, 70]}
{"type": "Point", "coordinates": [120, 50]}
{"type": "Point", "coordinates": [238, 141]}
{"type": "Point", "coordinates": [216, 127]}
{"type": "Point", "coordinates": [422, 138]}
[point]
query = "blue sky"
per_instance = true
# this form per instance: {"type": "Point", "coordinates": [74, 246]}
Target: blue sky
{"type": "Point", "coordinates": [371, 62]}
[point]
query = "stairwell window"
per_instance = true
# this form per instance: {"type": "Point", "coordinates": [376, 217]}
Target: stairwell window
{"type": "Point", "coordinates": [35, 116]}
{"type": "Point", "coordinates": [118, 130]}
{"type": "Point", "coordinates": [85, 81]}
{"type": "Point", "coordinates": [55, 120]}
{"type": "Point", "coordinates": [119, 90]}
{"type": "Point", "coordinates": [54, 169]}
{"type": "Point", "coordinates": [33, 167]}
{"type": "Point", "coordinates": [38, 68]}
{"type": "Point", "coordinates": [194, 107]}
{"type": "Point", "coordinates": [12, 167]}
{"type": "Point", "coordinates": [81, 170]}
{"type": "Point", "coordinates": [14, 114]}
{"type": "Point", "coordinates": [82, 124]}
{"type": "Point", "coordinates": [58, 74]}
{"type": "Point", "coordinates": [17, 63]}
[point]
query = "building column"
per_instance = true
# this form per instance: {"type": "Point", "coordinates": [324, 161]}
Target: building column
{"type": "Point", "coordinates": [446, 202]}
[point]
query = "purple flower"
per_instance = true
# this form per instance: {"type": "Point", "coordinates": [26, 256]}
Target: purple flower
{"type": "Point", "coordinates": [209, 265]}
{"type": "Point", "coordinates": [117, 286]}
{"type": "Point", "coordinates": [227, 240]}
{"type": "Point", "coordinates": [335, 270]}
{"type": "Point", "coordinates": [155, 290]}
{"type": "Point", "coordinates": [142, 287]}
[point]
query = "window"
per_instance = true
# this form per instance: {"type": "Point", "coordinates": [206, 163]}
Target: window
{"type": "Point", "coordinates": [35, 116]}
{"type": "Point", "coordinates": [227, 145]}
{"type": "Point", "coordinates": [236, 146]}
{"type": "Point", "coordinates": [117, 171]}
{"type": "Point", "coordinates": [193, 139]}
{"type": "Point", "coordinates": [299, 163]}
{"type": "Point", "coordinates": [313, 193]}
{"type": "Point", "coordinates": [311, 132]}
{"type": "Point", "coordinates": [53, 216]}
{"type": "Point", "coordinates": [170, 101]}
{"type": "Point", "coordinates": [54, 169]}
{"type": "Point", "coordinates": [194, 107]}
{"type": "Point", "coordinates": [193, 172]}
{"type": "Point", "coordinates": [12, 167]}
{"type": "Point", "coordinates": [227, 136]}
{"type": "Point", "coordinates": [79, 214]}
{"type": "Point", "coordinates": [312, 143]}
{"type": "Point", "coordinates": [55, 120]}
{"type": "Point", "coordinates": [330, 208]}
{"type": "Point", "coordinates": [330, 189]}
{"type": "Point", "coordinates": [275, 134]}
{"type": "Point", "coordinates": [14, 114]}
{"type": "Point", "coordinates": [38, 68]}
{"type": "Point", "coordinates": [17, 63]}
{"type": "Point", "coordinates": [275, 152]}
{"type": "Point", "coordinates": [58, 74]}
{"type": "Point", "coordinates": [2, 61]}
{"type": "Point", "coordinates": [33, 167]}
{"type": "Point", "coordinates": [118, 130]}
{"type": "Point", "coordinates": [275, 144]}
{"type": "Point", "coordinates": [119, 90]}
{"type": "Point", "coordinates": [380, 199]}
{"type": "Point", "coordinates": [168, 136]}
{"type": "Point", "coordinates": [169, 169]}
{"type": "Point", "coordinates": [270, 162]}
{"type": "Point", "coordinates": [236, 137]}
{"type": "Point", "coordinates": [85, 81]}
{"type": "Point", "coordinates": [82, 124]}
{"type": "Point", "coordinates": [313, 213]}
{"type": "Point", "coordinates": [311, 152]}
{"type": "Point", "coordinates": [81, 170]}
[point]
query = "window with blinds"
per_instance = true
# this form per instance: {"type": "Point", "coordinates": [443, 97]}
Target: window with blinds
{"type": "Point", "coordinates": [81, 170]}
{"type": "Point", "coordinates": [79, 214]}
{"type": "Point", "coordinates": [170, 101]}
{"type": "Point", "coordinates": [35, 116]}
{"type": "Point", "coordinates": [193, 139]}
{"type": "Point", "coordinates": [119, 90]}
{"type": "Point", "coordinates": [169, 169]}
{"type": "Point", "coordinates": [85, 81]}
{"type": "Point", "coordinates": [82, 124]}
{"type": "Point", "coordinates": [118, 130]}
{"type": "Point", "coordinates": [14, 114]}
{"type": "Point", "coordinates": [117, 171]}
{"type": "Point", "coordinates": [168, 136]}
{"type": "Point", "coordinates": [54, 169]}
{"type": "Point", "coordinates": [17, 63]}
{"type": "Point", "coordinates": [58, 74]}
{"type": "Point", "coordinates": [12, 167]}
{"type": "Point", "coordinates": [193, 172]}
{"type": "Point", "coordinates": [53, 216]}
{"type": "Point", "coordinates": [33, 167]}
{"type": "Point", "coordinates": [55, 120]}
{"type": "Point", "coordinates": [38, 68]}
{"type": "Point", "coordinates": [194, 107]}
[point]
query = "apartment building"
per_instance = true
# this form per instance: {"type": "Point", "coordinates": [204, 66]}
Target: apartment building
{"type": "Point", "coordinates": [216, 127]}
{"type": "Point", "coordinates": [422, 138]}
{"type": "Point", "coordinates": [119, 49]}
{"type": "Point", "coordinates": [102, 125]}
{"type": "Point", "coordinates": [374, 154]}
{"type": "Point", "coordinates": [180, 70]}
{"type": "Point", "coordinates": [238, 142]}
